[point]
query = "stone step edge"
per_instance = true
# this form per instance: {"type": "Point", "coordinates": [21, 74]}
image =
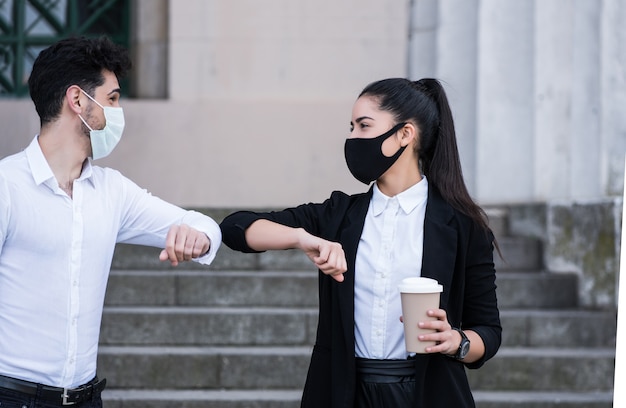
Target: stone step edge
{"type": "Point", "coordinates": [295, 395]}
{"type": "Point", "coordinates": [175, 309]}
{"type": "Point", "coordinates": [299, 273]}
{"type": "Point", "coordinates": [201, 395]}
{"type": "Point", "coordinates": [562, 352]}
{"type": "Point", "coordinates": [178, 309]}
{"type": "Point", "coordinates": [543, 396]}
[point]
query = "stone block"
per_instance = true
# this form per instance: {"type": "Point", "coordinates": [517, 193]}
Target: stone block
{"type": "Point", "coordinates": [546, 370]}
{"type": "Point", "coordinates": [159, 368]}
{"type": "Point", "coordinates": [116, 398]}
{"type": "Point", "coordinates": [141, 288]}
{"type": "Point", "coordinates": [584, 237]}
{"type": "Point", "coordinates": [203, 368]}
{"type": "Point", "coordinates": [536, 290]}
{"type": "Point", "coordinates": [294, 289]}
{"type": "Point", "coordinates": [567, 328]}
{"type": "Point", "coordinates": [546, 399]}
{"type": "Point", "coordinates": [204, 326]}
{"type": "Point", "coordinates": [518, 254]}
{"type": "Point", "coordinates": [528, 220]}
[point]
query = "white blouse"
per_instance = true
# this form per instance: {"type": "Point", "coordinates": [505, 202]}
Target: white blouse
{"type": "Point", "coordinates": [390, 249]}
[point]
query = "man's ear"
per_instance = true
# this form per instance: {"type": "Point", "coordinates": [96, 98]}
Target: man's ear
{"type": "Point", "coordinates": [408, 133]}
{"type": "Point", "coordinates": [73, 96]}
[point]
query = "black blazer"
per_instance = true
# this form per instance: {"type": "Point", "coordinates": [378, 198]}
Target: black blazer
{"type": "Point", "coordinates": [457, 253]}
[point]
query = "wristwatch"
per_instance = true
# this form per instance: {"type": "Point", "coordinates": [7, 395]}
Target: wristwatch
{"type": "Point", "coordinates": [463, 347]}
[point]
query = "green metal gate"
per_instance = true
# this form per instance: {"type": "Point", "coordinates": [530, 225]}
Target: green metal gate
{"type": "Point", "coordinates": [28, 26]}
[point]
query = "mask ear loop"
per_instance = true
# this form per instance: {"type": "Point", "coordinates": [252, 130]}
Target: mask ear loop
{"type": "Point", "coordinates": [85, 122]}
{"type": "Point", "coordinates": [96, 102]}
{"type": "Point", "coordinates": [90, 97]}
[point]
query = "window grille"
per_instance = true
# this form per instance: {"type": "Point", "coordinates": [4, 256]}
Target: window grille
{"type": "Point", "coordinates": [29, 26]}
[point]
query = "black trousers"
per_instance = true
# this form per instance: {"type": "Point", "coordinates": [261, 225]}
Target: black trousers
{"type": "Point", "coordinates": [385, 383]}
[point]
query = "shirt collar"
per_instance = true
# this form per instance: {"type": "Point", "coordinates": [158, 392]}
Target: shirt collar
{"type": "Point", "coordinates": [409, 199]}
{"type": "Point", "coordinates": [42, 173]}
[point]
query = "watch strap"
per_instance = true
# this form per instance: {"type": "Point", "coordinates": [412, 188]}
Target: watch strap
{"type": "Point", "coordinates": [459, 355]}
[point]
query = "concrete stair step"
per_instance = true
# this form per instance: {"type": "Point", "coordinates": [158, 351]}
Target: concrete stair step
{"type": "Point", "coordinates": [216, 368]}
{"type": "Point", "coordinates": [534, 399]}
{"type": "Point", "coordinates": [547, 369]}
{"type": "Point", "coordinates": [286, 326]}
{"type": "Point", "coordinates": [208, 326]}
{"type": "Point", "coordinates": [118, 398]}
{"type": "Point", "coordinates": [520, 254]}
{"type": "Point", "coordinates": [115, 398]}
{"type": "Point", "coordinates": [212, 288]}
{"type": "Point", "coordinates": [536, 290]}
{"type": "Point", "coordinates": [498, 220]}
{"type": "Point", "coordinates": [299, 288]}
{"type": "Point", "coordinates": [204, 368]}
{"type": "Point", "coordinates": [559, 328]}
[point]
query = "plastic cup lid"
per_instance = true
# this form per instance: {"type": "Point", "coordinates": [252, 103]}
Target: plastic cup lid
{"type": "Point", "coordinates": [419, 284]}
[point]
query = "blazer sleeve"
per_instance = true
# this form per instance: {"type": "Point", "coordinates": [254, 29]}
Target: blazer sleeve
{"type": "Point", "coordinates": [319, 219]}
{"type": "Point", "coordinates": [480, 310]}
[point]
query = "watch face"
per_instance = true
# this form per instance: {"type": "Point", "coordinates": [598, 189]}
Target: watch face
{"type": "Point", "coordinates": [465, 346]}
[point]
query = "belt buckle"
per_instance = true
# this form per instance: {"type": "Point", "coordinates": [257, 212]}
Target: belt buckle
{"type": "Point", "coordinates": [64, 398]}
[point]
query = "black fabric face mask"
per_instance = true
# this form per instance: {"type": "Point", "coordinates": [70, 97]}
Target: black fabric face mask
{"type": "Point", "coordinates": [365, 158]}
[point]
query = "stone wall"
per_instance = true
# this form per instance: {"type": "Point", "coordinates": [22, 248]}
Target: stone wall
{"type": "Point", "coordinates": [581, 237]}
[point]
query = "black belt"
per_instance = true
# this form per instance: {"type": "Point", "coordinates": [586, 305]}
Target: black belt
{"type": "Point", "coordinates": [55, 395]}
{"type": "Point", "coordinates": [392, 368]}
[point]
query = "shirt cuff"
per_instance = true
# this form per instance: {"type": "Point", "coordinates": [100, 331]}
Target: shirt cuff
{"type": "Point", "coordinates": [212, 230]}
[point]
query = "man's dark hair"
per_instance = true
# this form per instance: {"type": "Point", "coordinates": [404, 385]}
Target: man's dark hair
{"type": "Point", "coordinates": [73, 61]}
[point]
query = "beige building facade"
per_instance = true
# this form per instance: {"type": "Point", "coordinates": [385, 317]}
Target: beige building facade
{"type": "Point", "coordinates": [247, 103]}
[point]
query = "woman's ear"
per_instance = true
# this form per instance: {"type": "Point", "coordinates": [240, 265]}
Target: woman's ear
{"type": "Point", "coordinates": [72, 96]}
{"type": "Point", "coordinates": [408, 134]}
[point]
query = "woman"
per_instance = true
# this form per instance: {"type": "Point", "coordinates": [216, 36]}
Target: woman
{"type": "Point", "coordinates": [417, 219]}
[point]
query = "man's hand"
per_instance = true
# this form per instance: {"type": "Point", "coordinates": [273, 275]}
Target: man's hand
{"type": "Point", "coordinates": [184, 243]}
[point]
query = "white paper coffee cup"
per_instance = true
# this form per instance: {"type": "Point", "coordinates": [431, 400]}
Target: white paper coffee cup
{"type": "Point", "coordinates": [418, 295]}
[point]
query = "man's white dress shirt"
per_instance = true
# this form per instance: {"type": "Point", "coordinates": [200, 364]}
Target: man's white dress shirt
{"type": "Point", "coordinates": [55, 256]}
{"type": "Point", "coordinates": [390, 249]}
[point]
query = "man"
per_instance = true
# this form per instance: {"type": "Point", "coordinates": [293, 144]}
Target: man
{"type": "Point", "coordinates": [60, 218]}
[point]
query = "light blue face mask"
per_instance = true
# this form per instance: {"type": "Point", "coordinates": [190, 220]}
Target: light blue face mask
{"type": "Point", "coordinates": [103, 141]}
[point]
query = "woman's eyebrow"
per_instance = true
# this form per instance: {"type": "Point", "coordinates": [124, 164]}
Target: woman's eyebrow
{"type": "Point", "coordinates": [362, 118]}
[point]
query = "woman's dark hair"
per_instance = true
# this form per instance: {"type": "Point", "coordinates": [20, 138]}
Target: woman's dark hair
{"type": "Point", "coordinates": [424, 103]}
{"type": "Point", "coordinates": [73, 61]}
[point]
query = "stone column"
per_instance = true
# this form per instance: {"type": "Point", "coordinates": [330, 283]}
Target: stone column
{"type": "Point", "coordinates": [505, 100]}
{"type": "Point", "coordinates": [613, 74]}
{"type": "Point", "coordinates": [422, 47]}
{"type": "Point", "coordinates": [550, 165]}
{"type": "Point", "coordinates": [457, 45]}
{"type": "Point", "coordinates": [149, 39]}
{"type": "Point", "coordinates": [585, 163]}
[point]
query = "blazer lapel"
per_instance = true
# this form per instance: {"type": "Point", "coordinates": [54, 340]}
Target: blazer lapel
{"type": "Point", "coordinates": [350, 236]}
{"type": "Point", "coordinates": [440, 242]}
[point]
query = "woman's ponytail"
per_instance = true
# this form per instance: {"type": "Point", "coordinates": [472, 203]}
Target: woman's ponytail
{"type": "Point", "coordinates": [439, 155]}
